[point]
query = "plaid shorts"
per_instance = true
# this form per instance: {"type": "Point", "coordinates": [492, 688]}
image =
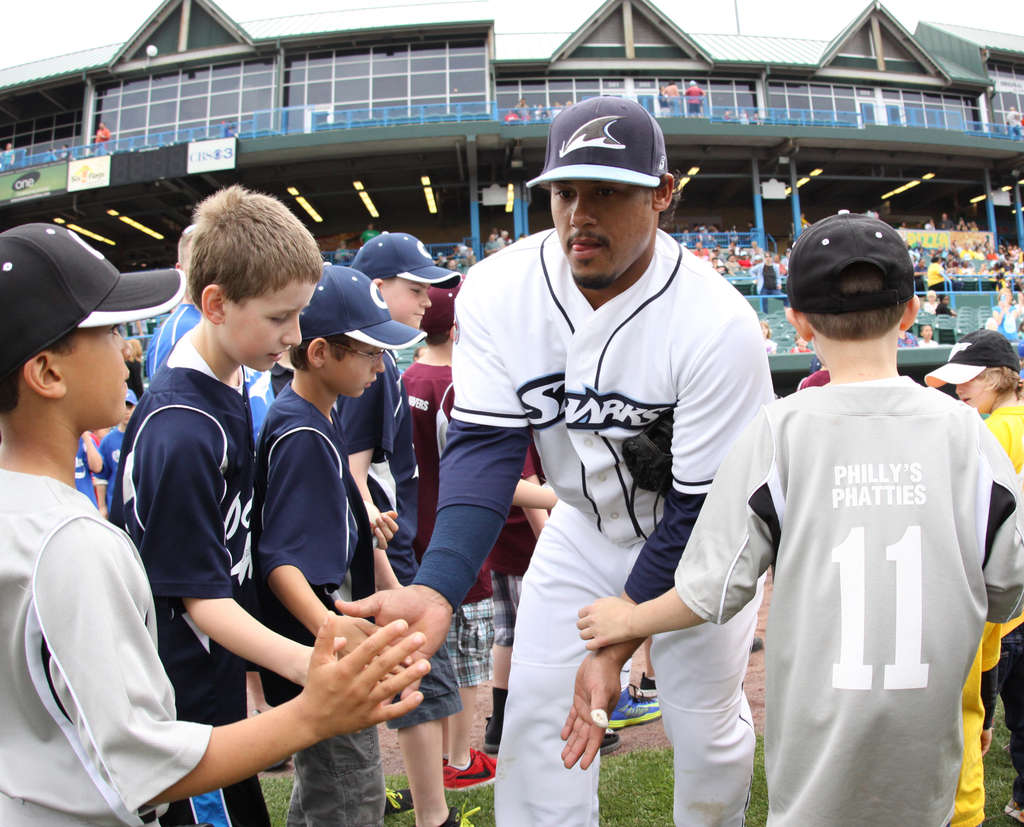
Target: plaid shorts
{"type": "Point", "coordinates": [507, 589]}
{"type": "Point", "coordinates": [470, 638]}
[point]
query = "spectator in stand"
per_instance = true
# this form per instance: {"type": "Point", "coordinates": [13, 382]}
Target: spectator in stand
{"type": "Point", "coordinates": [493, 243]}
{"type": "Point", "coordinates": [102, 136]}
{"type": "Point", "coordinates": [945, 223]}
{"type": "Point", "coordinates": [944, 308]}
{"type": "Point", "coordinates": [1008, 315]}
{"type": "Point", "coordinates": [926, 337]}
{"type": "Point", "coordinates": [371, 231]}
{"type": "Point", "coordinates": [770, 345]}
{"type": "Point", "coordinates": [133, 359]}
{"type": "Point", "coordinates": [906, 339]}
{"type": "Point", "coordinates": [1013, 122]}
{"type": "Point", "coordinates": [694, 100]}
{"type": "Point", "coordinates": [929, 225]}
{"type": "Point", "coordinates": [701, 251]}
{"type": "Point", "coordinates": [930, 303]}
{"type": "Point", "coordinates": [7, 159]}
{"type": "Point", "coordinates": [800, 346]}
{"type": "Point", "coordinates": [935, 275]}
{"type": "Point", "coordinates": [670, 98]}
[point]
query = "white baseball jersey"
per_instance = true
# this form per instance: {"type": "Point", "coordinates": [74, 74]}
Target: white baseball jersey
{"type": "Point", "coordinates": [532, 351]}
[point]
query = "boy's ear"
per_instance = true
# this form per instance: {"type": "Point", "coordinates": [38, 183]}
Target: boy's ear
{"type": "Point", "coordinates": [43, 375]}
{"type": "Point", "coordinates": [800, 323]}
{"type": "Point", "coordinates": [316, 353]}
{"type": "Point", "coordinates": [910, 313]}
{"type": "Point", "coordinates": [212, 302]}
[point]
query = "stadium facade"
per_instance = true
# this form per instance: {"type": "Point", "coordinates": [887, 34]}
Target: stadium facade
{"type": "Point", "coordinates": [430, 117]}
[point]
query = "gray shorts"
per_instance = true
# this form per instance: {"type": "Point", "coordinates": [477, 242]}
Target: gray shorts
{"type": "Point", "coordinates": [339, 781]}
{"type": "Point", "coordinates": [440, 694]}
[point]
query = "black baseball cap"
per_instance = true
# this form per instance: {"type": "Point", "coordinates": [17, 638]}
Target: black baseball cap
{"type": "Point", "coordinates": [829, 246]}
{"type": "Point", "coordinates": [348, 302]}
{"type": "Point", "coordinates": [52, 282]}
{"type": "Point", "coordinates": [391, 255]}
{"type": "Point", "coordinates": [605, 139]}
{"type": "Point", "coordinates": [976, 351]}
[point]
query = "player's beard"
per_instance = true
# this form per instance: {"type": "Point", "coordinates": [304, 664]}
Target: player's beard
{"type": "Point", "coordinates": [595, 281]}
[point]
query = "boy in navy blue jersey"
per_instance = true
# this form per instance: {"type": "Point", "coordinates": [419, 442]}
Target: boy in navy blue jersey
{"type": "Point", "coordinates": [185, 482]}
{"type": "Point", "coordinates": [377, 428]}
{"type": "Point", "coordinates": [312, 537]}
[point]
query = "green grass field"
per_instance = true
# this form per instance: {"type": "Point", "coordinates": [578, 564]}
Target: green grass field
{"type": "Point", "coordinates": [636, 789]}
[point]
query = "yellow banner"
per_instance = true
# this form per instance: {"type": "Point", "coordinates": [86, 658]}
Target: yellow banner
{"type": "Point", "coordinates": [929, 239]}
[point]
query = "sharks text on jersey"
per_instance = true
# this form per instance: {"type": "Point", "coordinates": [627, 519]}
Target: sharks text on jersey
{"type": "Point", "coordinates": [546, 401]}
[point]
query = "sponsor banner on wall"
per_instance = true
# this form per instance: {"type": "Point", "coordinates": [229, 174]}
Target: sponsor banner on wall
{"type": "Point", "coordinates": [941, 239]}
{"type": "Point", "coordinates": [206, 156]}
{"type": "Point", "coordinates": [32, 183]}
{"type": "Point", "coordinates": [89, 173]}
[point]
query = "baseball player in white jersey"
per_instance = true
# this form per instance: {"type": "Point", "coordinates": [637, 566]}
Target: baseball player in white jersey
{"type": "Point", "coordinates": [593, 334]}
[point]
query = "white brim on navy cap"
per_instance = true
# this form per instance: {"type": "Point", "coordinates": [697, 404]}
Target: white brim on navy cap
{"type": "Point", "coordinates": [595, 172]}
{"type": "Point", "coordinates": [387, 334]}
{"type": "Point", "coordinates": [138, 296]}
{"type": "Point", "coordinates": [437, 276]}
{"type": "Point", "coordinates": [953, 373]}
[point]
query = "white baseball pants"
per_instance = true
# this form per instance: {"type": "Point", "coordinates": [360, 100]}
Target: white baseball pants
{"type": "Point", "coordinates": [700, 676]}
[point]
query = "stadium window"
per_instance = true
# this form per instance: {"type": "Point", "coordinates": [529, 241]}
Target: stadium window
{"type": "Point", "coordinates": [221, 105]}
{"type": "Point", "coordinates": [257, 99]}
{"type": "Point", "coordinates": [351, 90]}
{"type": "Point", "coordinates": [467, 81]}
{"type": "Point", "coordinates": [318, 93]}
{"type": "Point", "coordinates": [192, 108]}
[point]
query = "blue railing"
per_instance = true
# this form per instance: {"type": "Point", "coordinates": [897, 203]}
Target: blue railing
{"type": "Point", "coordinates": [311, 119]}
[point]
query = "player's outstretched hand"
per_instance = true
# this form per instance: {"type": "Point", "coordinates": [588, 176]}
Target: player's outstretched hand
{"type": "Point", "coordinates": [423, 608]}
{"type": "Point", "coordinates": [597, 688]}
{"type": "Point", "coordinates": [348, 693]}
{"type": "Point", "coordinates": [606, 621]}
{"type": "Point", "coordinates": [355, 630]}
{"type": "Point", "coordinates": [382, 523]}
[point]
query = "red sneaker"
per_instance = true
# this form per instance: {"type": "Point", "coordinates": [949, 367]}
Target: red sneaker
{"type": "Point", "coordinates": [480, 771]}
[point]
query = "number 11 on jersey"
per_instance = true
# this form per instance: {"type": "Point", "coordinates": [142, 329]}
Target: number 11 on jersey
{"type": "Point", "coordinates": [907, 671]}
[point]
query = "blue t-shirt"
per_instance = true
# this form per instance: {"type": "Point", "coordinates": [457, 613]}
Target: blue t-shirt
{"type": "Point", "coordinates": [182, 319]}
{"type": "Point", "coordinates": [380, 421]}
{"type": "Point", "coordinates": [184, 494]}
{"type": "Point", "coordinates": [83, 479]}
{"type": "Point", "coordinates": [308, 513]}
{"type": "Point", "coordinates": [110, 450]}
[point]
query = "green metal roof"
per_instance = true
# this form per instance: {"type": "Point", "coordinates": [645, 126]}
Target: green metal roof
{"type": "Point", "coordinates": [999, 41]}
{"type": "Point", "coordinates": [773, 51]}
{"type": "Point", "coordinates": [53, 67]}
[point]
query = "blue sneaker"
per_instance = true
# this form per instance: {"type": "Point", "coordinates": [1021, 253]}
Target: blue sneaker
{"type": "Point", "coordinates": [631, 710]}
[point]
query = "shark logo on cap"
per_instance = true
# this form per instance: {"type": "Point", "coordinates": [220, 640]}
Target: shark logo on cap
{"type": "Point", "coordinates": [592, 133]}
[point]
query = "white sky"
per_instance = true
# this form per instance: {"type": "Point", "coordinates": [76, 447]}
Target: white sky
{"type": "Point", "coordinates": [35, 30]}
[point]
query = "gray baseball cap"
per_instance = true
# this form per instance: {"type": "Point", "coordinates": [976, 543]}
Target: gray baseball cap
{"type": "Point", "coordinates": [605, 139]}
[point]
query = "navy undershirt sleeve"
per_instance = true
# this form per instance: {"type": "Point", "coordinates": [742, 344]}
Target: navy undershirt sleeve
{"type": "Point", "coordinates": [480, 468]}
{"type": "Point", "coordinates": [654, 571]}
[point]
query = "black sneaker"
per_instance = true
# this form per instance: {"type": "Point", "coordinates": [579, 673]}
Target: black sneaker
{"type": "Point", "coordinates": [757, 644]}
{"type": "Point", "coordinates": [397, 801]}
{"type": "Point", "coordinates": [610, 742]}
{"type": "Point", "coordinates": [492, 736]}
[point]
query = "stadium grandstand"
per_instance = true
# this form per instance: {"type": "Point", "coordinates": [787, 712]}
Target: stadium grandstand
{"type": "Point", "coordinates": [429, 118]}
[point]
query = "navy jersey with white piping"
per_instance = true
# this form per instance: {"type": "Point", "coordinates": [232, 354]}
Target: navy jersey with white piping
{"type": "Point", "coordinates": [380, 421]}
{"type": "Point", "coordinates": [184, 493]}
{"type": "Point", "coordinates": [309, 514]}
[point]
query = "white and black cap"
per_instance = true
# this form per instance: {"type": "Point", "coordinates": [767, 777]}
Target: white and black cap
{"type": "Point", "coordinates": [52, 282]}
{"type": "Point", "coordinates": [605, 139]}
{"type": "Point", "coordinates": [976, 351]}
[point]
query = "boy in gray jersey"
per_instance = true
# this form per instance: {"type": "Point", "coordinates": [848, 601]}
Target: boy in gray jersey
{"type": "Point", "coordinates": [89, 729]}
{"type": "Point", "coordinates": [887, 558]}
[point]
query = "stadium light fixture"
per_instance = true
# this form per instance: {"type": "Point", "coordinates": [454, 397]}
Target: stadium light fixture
{"type": "Point", "coordinates": [801, 182]}
{"type": "Point", "coordinates": [928, 176]}
{"type": "Point", "coordinates": [510, 197]}
{"type": "Point", "coordinates": [302, 202]}
{"type": "Point", "coordinates": [692, 171]}
{"type": "Point", "coordinates": [364, 196]}
{"type": "Point", "coordinates": [59, 220]}
{"type": "Point", "coordinates": [907, 186]}
{"type": "Point", "coordinates": [114, 213]}
{"type": "Point", "coordinates": [978, 198]}
{"type": "Point", "coordinates": [682, 183]}
{"type": "Point", "coordinates": [1007, 188]}
{"type": "Point", "coordinates": [428, 193]}
{"type": "Point", "coordinates": [91, 234]}
{"type": "Point", "coordinates": [789, 190]}
{"type": "Point", "coordinates": [142, 228]}
{"type": "Point", "coordinates": [814, 173]}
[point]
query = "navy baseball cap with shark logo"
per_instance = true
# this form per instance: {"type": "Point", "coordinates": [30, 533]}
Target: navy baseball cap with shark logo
{"type": "Point", "coordinates": [605, 139]}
